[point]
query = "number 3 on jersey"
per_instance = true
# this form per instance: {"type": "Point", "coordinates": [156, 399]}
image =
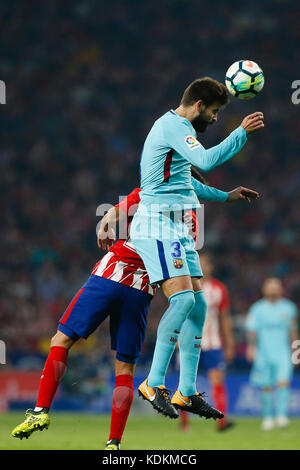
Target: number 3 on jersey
{"type": "Point", "coordinates": [176, 250]}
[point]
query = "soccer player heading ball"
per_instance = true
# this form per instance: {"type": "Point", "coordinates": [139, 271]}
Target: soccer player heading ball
{"type": "Point", "coordinates": [166, 248]}
{"type": "Point", "coordinates": [119, 287]}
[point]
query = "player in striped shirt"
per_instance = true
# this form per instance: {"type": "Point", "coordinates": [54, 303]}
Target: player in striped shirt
{"type": "Point", "coordinates": [119, 287]}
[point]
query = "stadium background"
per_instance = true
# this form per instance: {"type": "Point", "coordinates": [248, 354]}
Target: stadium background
{"type": "Point", "coordinates": [85, 81]}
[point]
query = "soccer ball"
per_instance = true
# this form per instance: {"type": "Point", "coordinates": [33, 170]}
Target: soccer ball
{"type": "Point", "coordinates": [244, 79]}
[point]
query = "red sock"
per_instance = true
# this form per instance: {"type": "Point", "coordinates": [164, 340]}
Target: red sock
{"type": "Point", "coordinates": [220, 400]}
{"type": "Point", "coordinates": [121, 404]}
{"type": "Point", "coordinates": [184, 416]}
{"type": "Point", "coordinates": [54, 369]}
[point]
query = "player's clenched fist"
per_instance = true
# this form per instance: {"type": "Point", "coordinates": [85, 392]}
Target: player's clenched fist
{"type": "Point", "coordinates": [253, 122]}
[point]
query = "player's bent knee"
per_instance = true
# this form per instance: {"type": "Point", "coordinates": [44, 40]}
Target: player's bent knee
{"type": "Point", "coordinates": [60, 339]}
{"type": "Point", "coordinates": [185, 301]}
{"type": "Point", "coordinates": [124, 368]}
{"type": "Point", "coordinates": [175, 285]}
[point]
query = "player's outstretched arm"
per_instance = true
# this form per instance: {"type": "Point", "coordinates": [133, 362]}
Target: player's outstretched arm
{"type": "Point", "coordinates": [230, 146]}
{"type": "Point", "coordinates": [208, 159]}
{"type": "Point", "coordinates": [209, 193]}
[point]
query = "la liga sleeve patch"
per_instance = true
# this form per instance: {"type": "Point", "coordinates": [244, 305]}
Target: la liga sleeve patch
{"type": "Point", "coordinates": [191, 142]}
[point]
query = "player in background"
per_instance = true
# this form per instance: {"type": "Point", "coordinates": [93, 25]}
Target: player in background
{"type": "Point", "coordinates": [170, 258]}
{"type": "Point", "coordinates": [271, 327]}
{"type": "Point", "coordinates": [118, 287]}
{"type": "Point", "coordinates": [217, 346]}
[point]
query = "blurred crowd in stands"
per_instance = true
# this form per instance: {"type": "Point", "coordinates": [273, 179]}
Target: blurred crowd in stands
{"type": "Point", "coordinates": [85, 81]}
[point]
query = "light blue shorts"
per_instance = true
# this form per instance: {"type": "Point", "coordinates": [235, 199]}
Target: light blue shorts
{"type": "Point", "coordinates": [165, 246]}
{"type": "Point", "coordinates": [267, 373]}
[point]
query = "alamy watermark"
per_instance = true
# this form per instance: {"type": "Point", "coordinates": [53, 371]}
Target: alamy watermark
{"type": "Point", "coordinates": [296, 94]}
{"type": "Point", "coordinates": [2, 352]}
{"type": "Point", "coordinates": [296, 352]}
{"type": "Point", "coordinates": [155, 221]}
{"type": "Point", "coordinates": [2, 92]}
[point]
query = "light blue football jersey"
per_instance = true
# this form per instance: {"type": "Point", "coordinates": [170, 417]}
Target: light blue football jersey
{"type": "Point", "coordinates": [170, 149]}
{"type": "Point", "coordinates": [209, 193]}
{"type": "Point", "coordinates": [272, 323]}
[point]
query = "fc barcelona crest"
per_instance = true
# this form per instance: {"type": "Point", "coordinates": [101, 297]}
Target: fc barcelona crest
{"type": "Point", "coordinates": [178, 263]}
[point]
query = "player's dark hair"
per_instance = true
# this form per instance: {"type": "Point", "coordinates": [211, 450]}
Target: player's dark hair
{"type": "Point", "coordinates": [206, 89]}
{"type": "Point", "coordinates": [198, 176]}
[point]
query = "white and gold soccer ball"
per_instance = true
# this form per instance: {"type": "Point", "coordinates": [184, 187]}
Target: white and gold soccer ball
{"type": "Point", "coordinates": [244, 79]}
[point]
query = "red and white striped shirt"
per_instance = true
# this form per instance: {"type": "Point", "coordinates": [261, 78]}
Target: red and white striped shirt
{"type": "Point", "coordinates": [131, 275]}
{"type": "Point", "coordinates": [122, 263]}
{"type": "Point", "coordinates": [217, 298]}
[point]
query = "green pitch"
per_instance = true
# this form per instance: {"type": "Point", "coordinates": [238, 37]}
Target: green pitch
{"type": "Point", "coordinates": [82, 431]}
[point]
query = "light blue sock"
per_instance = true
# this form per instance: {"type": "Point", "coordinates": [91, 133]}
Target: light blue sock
{"type": "Point", "coordinates": [282, 396]}
{"type": "Point", "coordinates": [190, 346]}
{"type": "Point", "coordinates": [266, 400]}
{"type": "Point", "coordinates": [169, 328]}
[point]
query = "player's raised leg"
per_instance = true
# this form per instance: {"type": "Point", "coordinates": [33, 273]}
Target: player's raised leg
{"type": "Point", "coordinates": [190, 345]}
{"type": "Point", "coordinates": [54, 369]}
{"type": "Point", "coordinates": [179, 291]}
{"type": "Point", "coordinates": [186, 397]}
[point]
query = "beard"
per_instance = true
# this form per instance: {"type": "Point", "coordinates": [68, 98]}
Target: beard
{"type": "Point", "coordinates": [200, 123]}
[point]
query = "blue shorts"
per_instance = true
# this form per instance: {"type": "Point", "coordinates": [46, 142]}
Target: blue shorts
{"type": "Point", "coordinates": [126, 306]}
{"type": "Point", "coordinates": [165, 246]}
{"type": "Point", "coordinates": [212, 359]}
{"type": "Point", "coordinates": [267, 373]}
